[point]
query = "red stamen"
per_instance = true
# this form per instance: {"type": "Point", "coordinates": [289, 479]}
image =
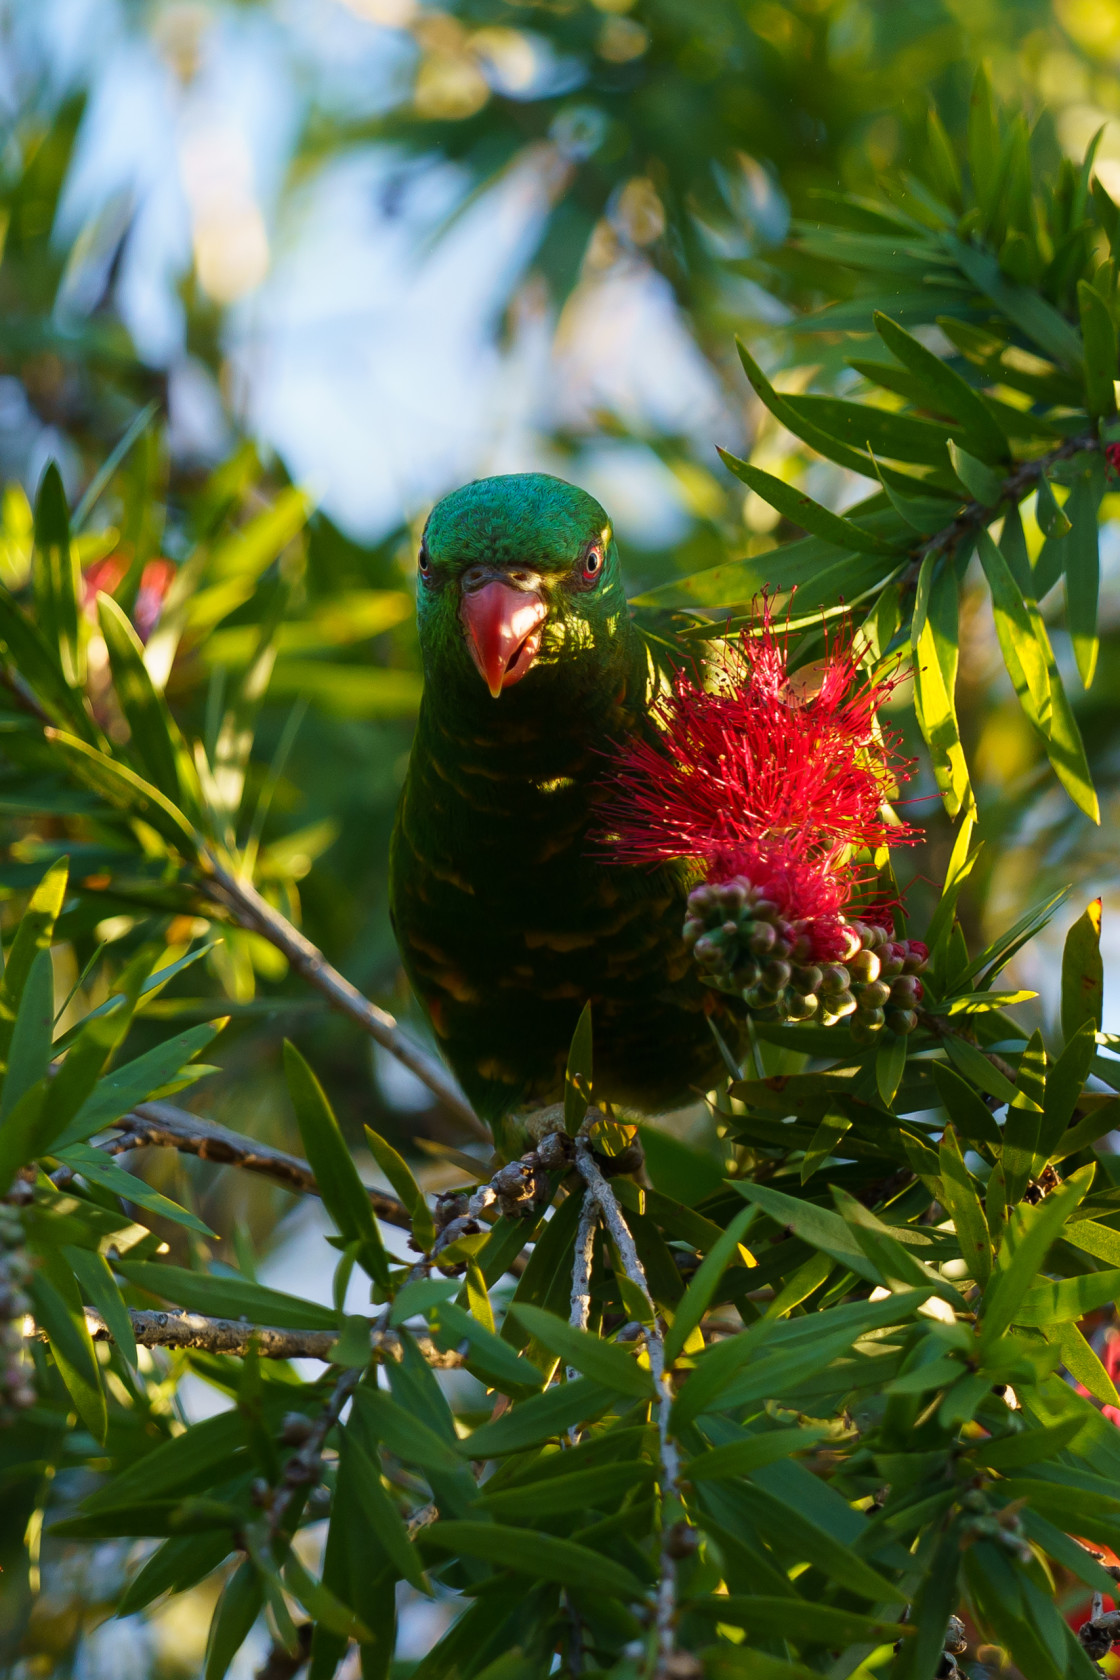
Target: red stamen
{"type": "Point", "coordinates": [772, 777]}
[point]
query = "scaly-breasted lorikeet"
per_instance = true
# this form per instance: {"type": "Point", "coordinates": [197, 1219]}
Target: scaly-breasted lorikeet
{"type": "Point", "coordinates": [509, 915]}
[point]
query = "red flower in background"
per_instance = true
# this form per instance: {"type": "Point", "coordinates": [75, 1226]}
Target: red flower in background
{"type": "Point", "coordinates": [104, 576]}
{"type": "Point", "coordinates": [771, 777]}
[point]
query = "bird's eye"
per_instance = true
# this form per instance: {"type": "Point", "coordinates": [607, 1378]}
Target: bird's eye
{"type": "Point", "coordinates": [592, 565]}
{"type": "Point", "coordinates": [424, 565]}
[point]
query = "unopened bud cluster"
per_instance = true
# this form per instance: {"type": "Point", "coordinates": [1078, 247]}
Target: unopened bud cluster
{"type": "Point", "coordinates": [16, 1389]}
{"type": "Point", "coordinates": [744, 944]}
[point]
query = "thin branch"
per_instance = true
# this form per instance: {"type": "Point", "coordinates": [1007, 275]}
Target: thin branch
{"type": "Point", "coordinates": [281, 1664]}
{"type": "Point", "coordinates": [304, 1467]}
{"type": "Point", "coordinates": [164, 1125]}
{"type": "Point", "coordinates": [581, 1266]}
{"type": "Point", "coordinates": [251, 911]}
{"type": "Point", "coordinates": [976, 515]}
{"type": "Point", "coordinates": [599, 1188]}
{"type": "Point", "coordinates": [187, 1330]}
{"type": "Point", "coordinates": [582, 1262]}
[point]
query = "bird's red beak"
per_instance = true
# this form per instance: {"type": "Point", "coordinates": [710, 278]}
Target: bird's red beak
{"type": "Point", "coordinates": [503, 630]}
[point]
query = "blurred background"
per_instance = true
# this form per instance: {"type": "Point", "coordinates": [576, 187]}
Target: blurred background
{"type": "Point", "coordinates": [311, 263]}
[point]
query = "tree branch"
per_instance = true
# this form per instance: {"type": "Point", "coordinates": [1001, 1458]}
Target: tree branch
{"type": "Point", "coordinates": [599, 1188]}
{"type": "Point", "coordinates": [194, 1331]}
{"type": "Point", "coordinates": [251, 911]}
{"type": "Point", "coordinates": [976, 515]}
{"type": "Point", "coordinates": [164, 1125]}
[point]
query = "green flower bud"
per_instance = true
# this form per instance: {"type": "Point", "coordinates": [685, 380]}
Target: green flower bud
{"type": "Point", "coordinates": [835, 1005]}
{"type": "Point", "coordinates": [873, 996]}
{"type": "Point", "coordinates": [763, 937]}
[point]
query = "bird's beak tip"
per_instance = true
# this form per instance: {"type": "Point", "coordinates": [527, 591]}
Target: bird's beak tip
{"type": "Point", "coordinates": [502, 627]}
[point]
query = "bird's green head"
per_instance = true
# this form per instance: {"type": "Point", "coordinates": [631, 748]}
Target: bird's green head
{"type": "Point", "coordinates": [519, 582]}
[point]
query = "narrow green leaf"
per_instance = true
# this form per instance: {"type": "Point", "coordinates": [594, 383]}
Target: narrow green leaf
{"type": "Point", "coordinates": [698, 1296]}
{"type": "Point", "coordinates": [1022, 305]}
{"type": "Point", "coordinates": [237, 1609]}
{"type": "Point", "coordinates": [326, 1609]}
{"type": "Point", "coordinates": [1098, 334]}
{"type": "Point", "coordinates": [95, 1166]}
{"type": "Point", "coordinates": [404, 1434]}
{"type": "Point", "coordinates": [828, 1134]}
{"type": "Point", "coordinates": [125, 790]}
{"type": "Point", "coordinates": [37, 662]}
{"type": "Point", "coordinates": [1018, 640]}
{"type": "Point", "coordinates": [1060, 1303]}
{"type": "Point", "coordinates": [981, 483]}
{"type": "Point", "coordinates": [155, 736]}
{"type": "Point", "coordinates": [1083, 574]}
{"type": "Point", "coordinates": [399, 1174]}
{"type": "Point", "coordinates": [807, 1540]}
{"type": "Point", "coordinates": [491, 1355]}
{"type": "Point", "coordinates": [1052, 519]}
{"type": "Point", "coordinates": [1083, 973]}
{"type": "Point", "coordinates": [96, 1281]}
{"type": "Point", "coordinates": [419, 1296]}
{"type": "Point", "coordinates": [55, 577]}
{"type": "Point", "coordinates": [604, 1362]}
{"type": "Point", "coordinates": [344, 1196]}
{"type": "Point", "coordinates": [34, 934]}
{"type": "Point", "coordinates": [1064, 1085]}
{"type": "Point", "coordinates": [769, 1618]}
{"type": "Point", "coordinates": [544, 1556]}
{"type": "Point", "coordinates": [382, 1515]}
{"type": "Point", "coordinates": [1029, 1236]}
{"type": "Point", "coordinates": [133, 1082]}
{"type": "Point", "coordinates": [890, 1065]}
{"type": "Point", "coordinates": [739, 1458]}
{"type": "Point", "coordinates": [227, 1297]}
{"type": "Point", "coordinates": [58, 1310]}
{"type": "Point", "coordinates": [578, 1073]}
{"type": "Point", "coordinates": [935, 641]}
{"type": "Point", "coordinates": [583, 1490]}
{"type": "Point", "coordinates": [1033, 1446]}
{"type": "Point", "coordinates": [1013, 547]}
{"type": "Point", "coordinates": [808, 430]}
{"type": "Point", "coordinates": [1066, 749]}
{"type": "Point", "coordinates": [29, 1051]}
{"type": "Point", "coordinates": [801, 509]}
{"type": "Point", "coordinates": [964, 1208]}
{"type": "Point", "coordinates": [948, 392]}
{"type": "Point", "coordinates": [976, 1067]}
{"type": "Point", "coordinates": [544, 1417]}
{"type": "Point", "coordinates": [180, 1563]}
{"type": "Point", "coordinates": [183, 1464]}
{"type": "Point", "coordinates": [1082, 1363]}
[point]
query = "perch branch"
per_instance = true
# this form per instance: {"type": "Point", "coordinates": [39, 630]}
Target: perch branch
{"type": "Point", "coordinates": [604, 1196]}
{"type": "Point", "coordinates": [163, 1125]}
{"type": "Point", "coordinates": [581, 1266]}
{"type": "Point", "coordinates": [251, 911]}
{"type": "Point", "coordinates": [304, 1467]}
{"type": "Point", "coordinates": [187, 1330]}
{"type": "Point", "coordinates": [976, 515]}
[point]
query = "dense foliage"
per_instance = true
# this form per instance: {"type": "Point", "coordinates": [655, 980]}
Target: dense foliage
{"type": "Point", "coordinates": [772, 1400]}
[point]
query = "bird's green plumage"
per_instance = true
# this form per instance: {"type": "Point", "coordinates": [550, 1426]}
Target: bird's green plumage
{"type": "Point", "coordinates": [508, 914]}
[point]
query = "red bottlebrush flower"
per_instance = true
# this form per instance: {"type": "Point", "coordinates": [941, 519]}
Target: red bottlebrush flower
{"type": "Point", "coordinates": [104, 576]}
{"type": "Point", "coordinates": [773, 777]}
{"type": "Point", "coordinates": [1112, 455]}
